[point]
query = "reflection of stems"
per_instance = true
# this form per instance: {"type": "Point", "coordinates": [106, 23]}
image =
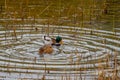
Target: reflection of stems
{"type": "Point", "coordinates": [53, 30]}
{"type": "Point", "coordinates": [15, 33]}
{"type": "Point", "coordinates": [22, 19]}
{"type": "Point", "coordinates": [82, 18]}
{"type": "Point", "coordinates": [1, 9]}
{"type": "Point", "coordinates": [14, 29]}
{"type": "Point", "coordinates": [5, 33]}
{"type": "Point", "coordinates": [45, 65]}
{"type": "Point", "coordinates": [45, 68]}
{"type": "Point", "coordinates": [5, 5]}
{"type": "Point", "coordinates": [48, 28]}
{"type": "Point", "coordinates": [114, 25]}
{"type": "Point", "coordinates": [115, 67]}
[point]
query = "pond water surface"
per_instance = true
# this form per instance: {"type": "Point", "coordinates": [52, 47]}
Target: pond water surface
{"type": "Point", "coordinates": [78, 58]}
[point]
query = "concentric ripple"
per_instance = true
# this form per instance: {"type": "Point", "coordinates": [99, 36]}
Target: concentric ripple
{"type": "Point", "coordinates": [83, 52]}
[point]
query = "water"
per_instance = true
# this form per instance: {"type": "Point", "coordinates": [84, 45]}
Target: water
{"type": "Point", "coordinates": [79, 57]}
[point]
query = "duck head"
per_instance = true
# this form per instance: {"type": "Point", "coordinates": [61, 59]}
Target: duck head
{"type": "Point", "coordinates": [58, 39]}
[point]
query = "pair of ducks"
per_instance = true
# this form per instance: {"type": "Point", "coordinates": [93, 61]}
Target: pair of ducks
{"type": "Point", "coordinates": [49, 43]}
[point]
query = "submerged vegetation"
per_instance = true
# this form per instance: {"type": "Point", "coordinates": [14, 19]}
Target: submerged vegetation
{"type": "Point", "coordinates": [90, 31]}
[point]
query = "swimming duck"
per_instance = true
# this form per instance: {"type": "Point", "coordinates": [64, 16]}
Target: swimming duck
{"type": "Point", "coordinates": [49, 43]}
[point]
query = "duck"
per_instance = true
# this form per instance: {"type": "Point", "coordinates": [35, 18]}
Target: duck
{"type": "Point", "coordinates": [47, 48]}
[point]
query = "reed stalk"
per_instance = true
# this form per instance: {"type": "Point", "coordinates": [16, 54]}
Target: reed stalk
{"type": "Point", "coordinates": [14, 27]}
